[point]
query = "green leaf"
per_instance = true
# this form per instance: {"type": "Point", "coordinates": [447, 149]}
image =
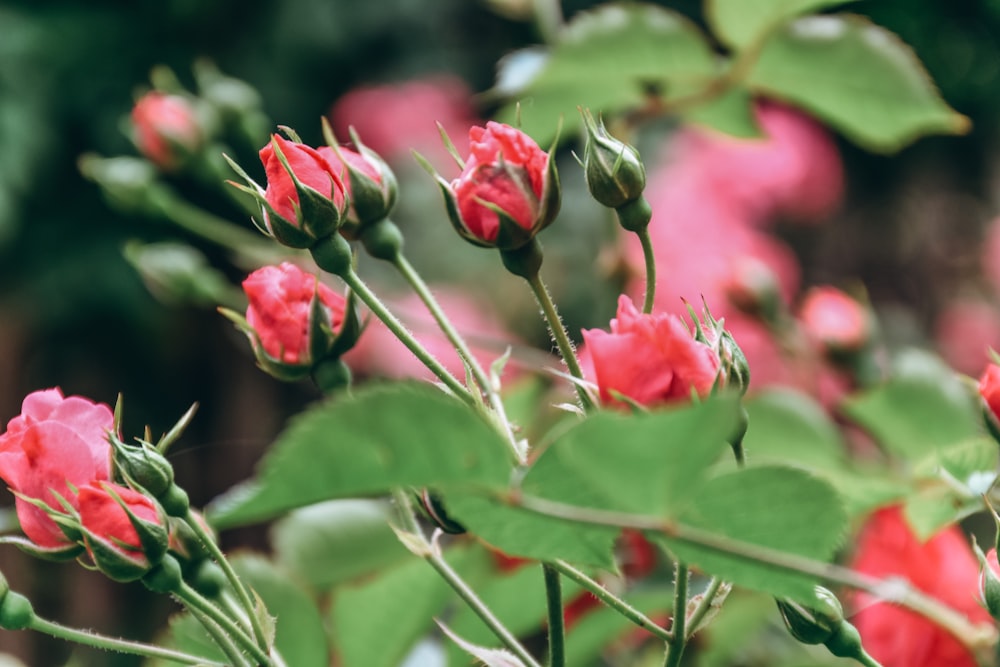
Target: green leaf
{"type": "Point", "coordinates": [922, 408]}
{"type": "Point", "coordinates": [375, 623]}
{"type": "Point", "coordinates": [610, 59]}
{"type": "Point", "coordinates": [741, 22]}
{"type": "Point", "coordinates": [385, 437]}
{"type": "Point", "coordinates": [934, 507]}
{"type": "Point", "coordinates": [522, 533]}
{"type": "Point", "coordinates": [784, 509]}
{"type": "Point", "coordinates": [856, 76]}
{"type": "Point", "coordinates": [730, 113]}
{"type": "Point", "coordinates": [786, 426]}
{"type": "Point", "coordinates": [337, 540]}
{"type": "Point", "coordinates": [645, 463]}
{"type": "Point", "coordinates": [301, 636]}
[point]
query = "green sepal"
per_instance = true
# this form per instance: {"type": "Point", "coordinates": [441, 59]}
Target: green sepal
{"type": "Point", "coordinates": [142, 468]}
{"type": "Point", "coordinates": [815, 622]}
{"type": "Point", "coordinates": [68, 520]}
{"type": "Point", "coordinates": [373, 200]}
{"type": "Point", "coordinates": [153, 535]}
{"type": "Point", "coordinates": [54, 554]}
{"type": "Point", "coordinates": [615, 173]}
{"type": "Point", "coordinates": [350, 328]}
{"type": "Point", "coordinates": [111, 561]}
{"type": "Point", "coordinates": [273, 367]}
{"type": "Point", "coordinates": [510, 235]}
{"type": "Point", "coordinates": [281, 230]}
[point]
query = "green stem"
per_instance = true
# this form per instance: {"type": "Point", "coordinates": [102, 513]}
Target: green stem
{"type": "Point", "coordinates": [225, 643]}
{"type": "Point", "coordinates": [455, 338]}
{"type": "Point", "coordinates": [213, 228]}
{"type": "Point", "coordinates": [675, 647]}
{"type": "Point", "coordinates": [557, 631]}
{"type": "Point", "coordinates": [430, 553]}
{"type": "Point", "coordinates": [197, 602]}
{"type": "Point", "coordinates": [561, 337]}
{"type": "Point", "coordinates": [611, 600]}
{"type": "Point", "coordinates": [88, 638]}
{"type": "Point", "coordinates": [242, 593]}
{"type": "Point", "coordinates": [704, 606]}
{"type": "Point", "coordinates": [894, 590]}
{"type": "Point", "coordinates": [647, 255]}
{"type": "Point", "coordinates": [396, 327]}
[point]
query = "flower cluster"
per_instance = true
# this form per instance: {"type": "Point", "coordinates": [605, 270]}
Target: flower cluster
{"type": "Point", "coordinates": [57, 459]}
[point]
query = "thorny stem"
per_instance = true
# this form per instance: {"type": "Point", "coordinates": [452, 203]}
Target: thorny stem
{"type": "Point", "coordinates": [194, 600]}
{"type": "Point", "coordinates": [558, 331]}
{"type": "Point", "coordinates": [675, 646]}
{"type": "Point", "coordinates": [88, 638]}
{"type": "Point", "coordinates": [225, 643]}
{"type": "Point", "coordinates": [429, 552]}
{"type": "Point", "coordinates": [611, 600]}
{"type": "Point", "coordinates": [420, 287]}
{"type": "Point", "coordinates": [557, 631]}
{"type": "Point", "coordinates": [894, 590]}
{"type": "Point", "coordinates": [375, 304]}
{"type": "Point", "coordinates": [242, 594]}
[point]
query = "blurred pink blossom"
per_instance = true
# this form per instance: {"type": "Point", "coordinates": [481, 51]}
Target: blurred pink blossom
{"type": "Point", "coordinates": [965, 330]}
{"type": "Point", "coordinates": [393, 119]}
{"type": "Point", "coordinates": [379, 353]}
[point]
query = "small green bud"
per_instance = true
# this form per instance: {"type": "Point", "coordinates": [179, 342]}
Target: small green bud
{"type": "Point", "coordinates": [165, 577]}
{"type": "Point", "coordinates": [16, 612]}
{"type": "Point", "coordinates": [143, 467]}
{"type": "Point", "coordinates": [615, 173]}
{"type": "Point", "coordinates": [812, 623]}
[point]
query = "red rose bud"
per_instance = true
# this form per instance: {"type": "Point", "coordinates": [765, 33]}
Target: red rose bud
{"type": "Point", "coordinates": [507, 192]}
{"type": "Point", "coordinates": [167, 129]}
{"type": "Point", "coordinates": [989, 390]}
{"type": "Point", "coordinates": [54, 446]}
{"type": "Point", "coordinates": [616, 176]}
{"type": "Point", "coordinates": [305, 197]}
{"type": "Point", "coordinates": [294, 321]}
{"type": "Point", "coordinates": [839, 323]}
{"type": "Point", "coordinates": [650, 359]}
{"type": "Point", "coordinates": [370, 182]}
{"type": "Point", "coordinates": [123, 530]}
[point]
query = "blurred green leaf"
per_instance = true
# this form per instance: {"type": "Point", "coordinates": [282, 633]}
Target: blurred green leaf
{"type": "Point", "coordinates": [610, 59]}
{"type": "Point", "coordinates": [331, 542]}
{"type": "Point", "coordinates": [922, 408]}
{"type": "Point", "coordinates": [730, 113]}
{"type": "Point", "coordinates": [858, 77]}
{"type": "Point", "coordinates": [741, 22]}
{"type": "Point", "coordinates": [933, 507]}
{"type": "Point", "coordinates": [380, 438]}
{"type": "Point", "coordinates": [301, 637]}
{"type": "Point", "coordinates": [592, 634]}
{"type": "Point", "coordinates": [788, 426]}
{"type": "Point", "coordinates": [784, 509]}
{"type": "Point", "coordinates": [375, 623]}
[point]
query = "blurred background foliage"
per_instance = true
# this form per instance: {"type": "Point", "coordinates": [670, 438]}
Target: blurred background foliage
{"type": "Point", "coordinates": [74, 313]}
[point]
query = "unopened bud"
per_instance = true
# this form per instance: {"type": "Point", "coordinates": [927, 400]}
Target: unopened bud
{"type": "Point", "coordinates": [615, 173]}
{"type": "Point", "coordinates": [812, 623]}
{"type": "Point", "coordinates": [989, 580]}
{"type": "Point", "coordinates": [143, 467]}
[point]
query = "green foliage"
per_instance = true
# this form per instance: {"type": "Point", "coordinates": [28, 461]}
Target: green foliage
{"type": "Point", "coordinates": [335, 541]}
{"type": "Point", "coordinates": [369, 444]}
{"type": "Point", "coordinates": [376, 622]}
{"type": "Point", "coordinates": [788, 426]}
{"type": "Point", "coordinates": [783, 509]}
{"type": "Point", "coordinates": [613, 58]}
{"type": "Point", "coordinates": [740, 23]}
{"type": "Point", "coordinates": [856, 76]}
{"type": "Point", "coordinates": [923, 407]}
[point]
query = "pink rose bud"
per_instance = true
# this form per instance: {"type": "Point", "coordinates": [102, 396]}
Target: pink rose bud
{"type": "Point", "coordinates": [166, 128]}
{"type": "Point", "coordinates": [836, 321]}
{"type": "Point", "coordinates": [989, 581]}
{"type": "Point", "coordinates": [507, 192]}
{"type": "Point", "coordinates": [370, 183]}
{"type": "Point", "coordinates": [295, 320]}
{"type": "Point", "coordinates": [650, 359]}
{"type": "Point", "coordinates": [53, 447]}
{"type": "Point", "coordinates": [123, 530]}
